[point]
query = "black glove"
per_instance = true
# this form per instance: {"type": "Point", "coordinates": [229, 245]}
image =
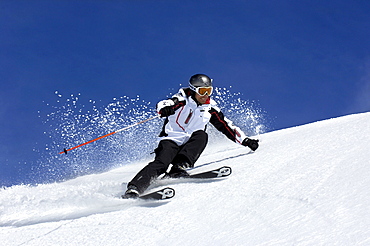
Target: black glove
{"type": "Point", "coordinates": [251, 143]}
{"type": "Point", "coordinates": [167, 111]}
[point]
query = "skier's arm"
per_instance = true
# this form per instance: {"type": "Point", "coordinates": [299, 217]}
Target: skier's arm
{"type": "Point", "coordinates": [226, 126]}
{"type": "Point", "coordinates": [233, 132]}
{"type": "Point", "coordinates": [168, 107]}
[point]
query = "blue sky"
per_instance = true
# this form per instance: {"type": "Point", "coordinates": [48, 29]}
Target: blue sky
{"type": "Point", "coordinates": [301, 61]}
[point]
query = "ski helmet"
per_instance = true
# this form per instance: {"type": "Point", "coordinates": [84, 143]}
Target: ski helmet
{"type": "Point", "coordinates": [199, 80]}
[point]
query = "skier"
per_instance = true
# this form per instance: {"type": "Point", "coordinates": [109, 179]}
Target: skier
{"type": "Point", "coordinates": [183, 136]}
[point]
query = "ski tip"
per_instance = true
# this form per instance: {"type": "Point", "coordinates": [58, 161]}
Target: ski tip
{"type": "Point", "coordinates": [222, 172]}
{"type": "Point", "coordinates": [228, 169]}
{"type": "Point", "coordinates": [167, 193]}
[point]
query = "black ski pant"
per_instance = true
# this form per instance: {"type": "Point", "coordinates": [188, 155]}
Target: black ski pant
{"type": "Point", "coordinates": [169, 152]}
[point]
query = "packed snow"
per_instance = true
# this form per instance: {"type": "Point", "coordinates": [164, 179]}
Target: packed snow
{"type": "Point", "coordinates": [306, 185]}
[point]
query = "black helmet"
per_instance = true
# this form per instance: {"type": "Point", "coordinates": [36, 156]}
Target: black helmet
{"type": "Point", "coordinates": [199, 80]}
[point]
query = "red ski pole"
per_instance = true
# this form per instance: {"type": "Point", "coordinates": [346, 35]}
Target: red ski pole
{"type": "Point", "coordinates": [120, 130]}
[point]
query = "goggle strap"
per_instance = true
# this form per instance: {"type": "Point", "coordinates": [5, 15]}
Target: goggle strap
{"type": "Point", "coordinates": [192, 87]}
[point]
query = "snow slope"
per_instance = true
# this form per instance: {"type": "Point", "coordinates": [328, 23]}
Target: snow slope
{"type": "Point", "coordinates": [307, 185]}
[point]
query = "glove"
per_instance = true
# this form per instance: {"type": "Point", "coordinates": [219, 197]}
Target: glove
{"type": "Point", "coordinates": [165, 108]}
{"type": "Point", "coordinates": [251, 143]}
{"type": "Point", "coordinates": [167, 111]}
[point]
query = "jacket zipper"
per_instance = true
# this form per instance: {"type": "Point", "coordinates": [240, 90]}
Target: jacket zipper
{"type": "Point", "coordinates": [189, 117]}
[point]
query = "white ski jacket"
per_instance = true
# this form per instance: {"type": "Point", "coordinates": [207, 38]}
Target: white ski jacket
{"type": "Point", "coordinates": [190, 117]}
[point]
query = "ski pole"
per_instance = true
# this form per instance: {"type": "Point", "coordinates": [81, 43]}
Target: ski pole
{"type": "Point", "coordinates": [120, 130]}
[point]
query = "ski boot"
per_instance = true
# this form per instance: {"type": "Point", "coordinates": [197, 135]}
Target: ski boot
{"type": "Point", "coordinates": [131, 192]}
{"type": "Point", "coordinates": [178, 171]}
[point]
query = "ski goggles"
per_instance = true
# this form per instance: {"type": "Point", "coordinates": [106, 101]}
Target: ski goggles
{"type": "Point", "coordinates": [202, 91]}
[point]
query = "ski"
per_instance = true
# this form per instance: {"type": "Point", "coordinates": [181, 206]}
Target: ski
{"type": "Point", "coordinates": [162, 194]}
{"type": "Point", "coordinates": [168, 193]}
{"type": "Point", "coordinates": [216, 173]}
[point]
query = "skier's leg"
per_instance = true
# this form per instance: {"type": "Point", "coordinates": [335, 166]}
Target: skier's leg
{"type": "Point", "coordinates": [165, 152]}
{"type": "Point", "coordinates": [193, 148]}
{"type": "Point", "coordinates": [188, 154]}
